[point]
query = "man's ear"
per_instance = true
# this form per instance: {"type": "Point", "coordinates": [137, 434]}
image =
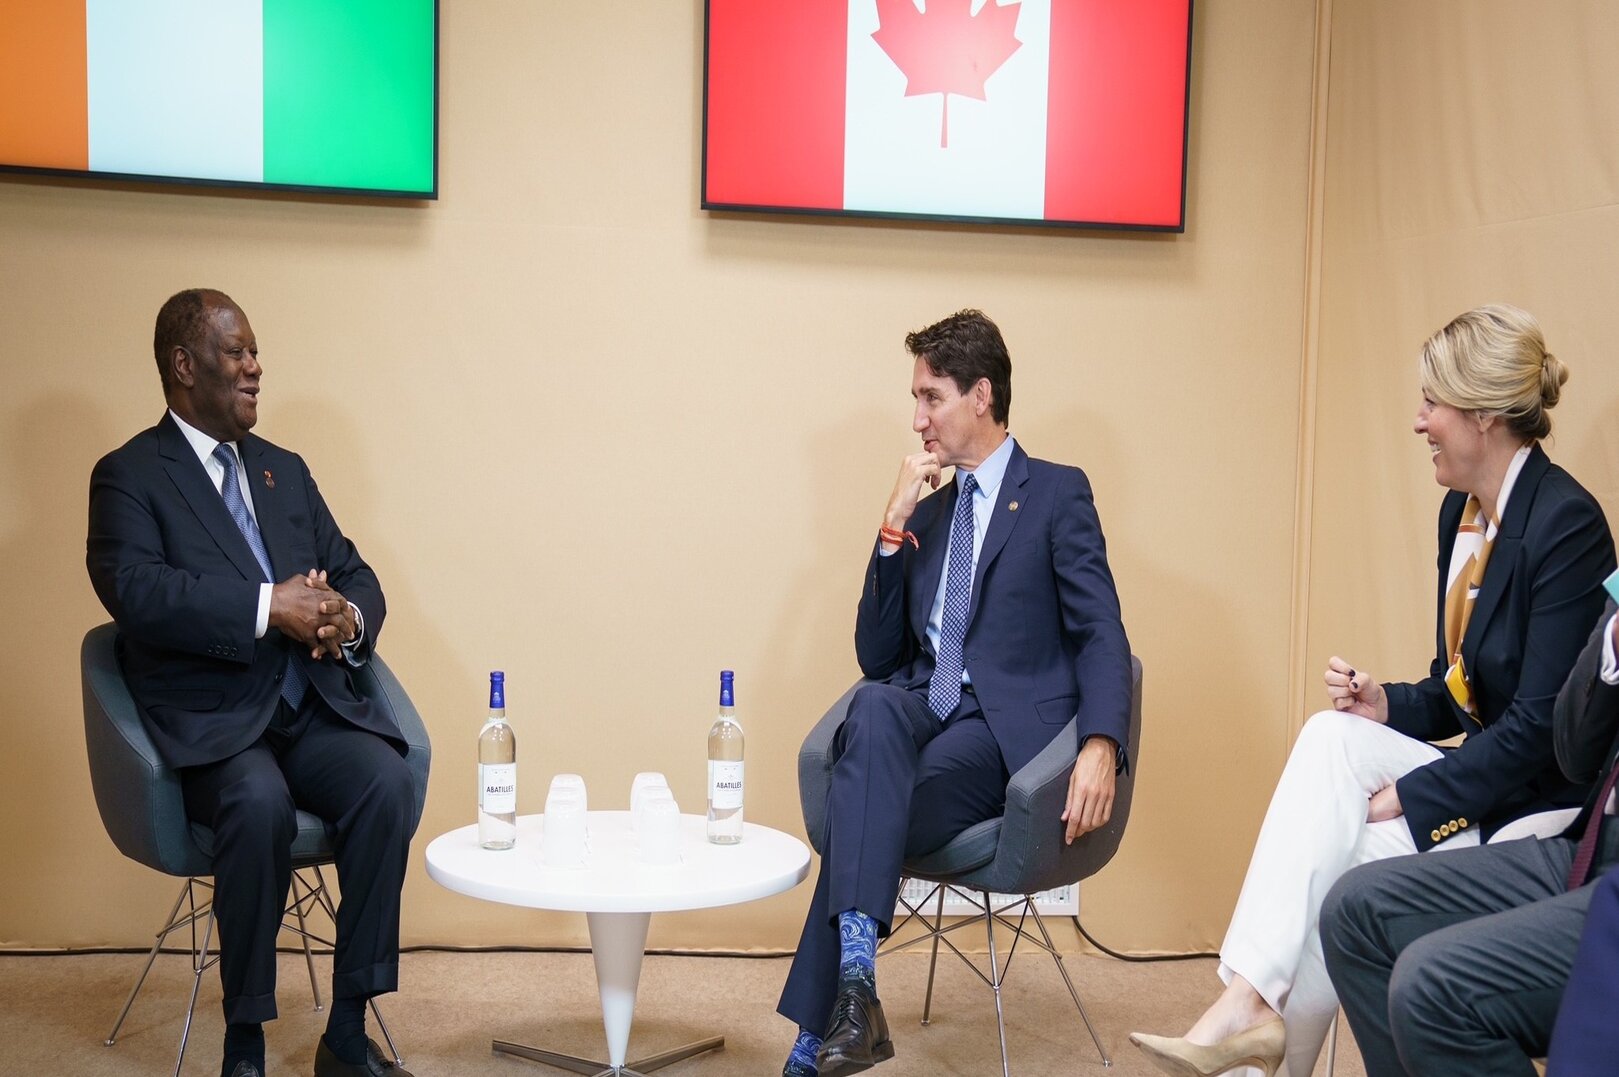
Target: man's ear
{"type": "Point", "coordinates": [983, 396]}
{"type": "Point", "coordinates": [182, 370]}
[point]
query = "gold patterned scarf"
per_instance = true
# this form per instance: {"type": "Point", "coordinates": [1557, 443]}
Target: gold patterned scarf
{"type": "Point", "coordinates": [1468, 559]}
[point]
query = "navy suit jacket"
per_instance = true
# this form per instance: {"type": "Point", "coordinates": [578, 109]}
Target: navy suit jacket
{"type": "Point", "coordinates": [1044, 643]}
{"type": "Point", "coordinates": [1541, 591]}
{"type": "Point", "coordinates": [182, 584]}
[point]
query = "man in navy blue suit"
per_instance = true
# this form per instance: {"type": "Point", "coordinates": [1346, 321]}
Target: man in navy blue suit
{"type": "Point", "coordinates": [988, 621]}
{"type": "Point", "coordinates": [241, 608]}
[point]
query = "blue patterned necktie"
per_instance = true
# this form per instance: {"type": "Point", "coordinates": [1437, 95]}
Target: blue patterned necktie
{"type": "Point", "coordinates": [295, 682]}
{"type": "Point", "coordinates": [944, 687]}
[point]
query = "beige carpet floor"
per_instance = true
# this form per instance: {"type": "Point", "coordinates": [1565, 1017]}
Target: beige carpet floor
{"type": "Point", "coordinates": [56, 1011]}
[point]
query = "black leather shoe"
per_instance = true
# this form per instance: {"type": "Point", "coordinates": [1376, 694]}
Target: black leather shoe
{"type": "Point", "coordinates": [376, 1064]}
{"type": "Point", "coordinates": [857, 1037]}
{"type": "Point", "coordinates": [245, 1069]}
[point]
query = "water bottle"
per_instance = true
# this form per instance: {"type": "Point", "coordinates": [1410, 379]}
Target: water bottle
{"type": "Point", "coordinates": [497, 772]}
{"type": "Point", "coordinates": [725, 769]}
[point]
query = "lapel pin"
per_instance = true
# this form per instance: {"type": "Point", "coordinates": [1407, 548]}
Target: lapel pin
{"type": "Point", "coordinates": [269, 479]}
{"type": "Point", "coordinates": [1011, 507]}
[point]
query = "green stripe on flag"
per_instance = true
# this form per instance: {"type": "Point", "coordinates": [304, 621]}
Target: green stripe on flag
{"type": "Point", "coordinates": [348, 93]}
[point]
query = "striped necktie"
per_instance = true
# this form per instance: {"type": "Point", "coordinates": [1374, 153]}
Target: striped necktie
{"type": "Point", "coordinates": [294, 684]}
{"type": "Point", "coordinates": [944, 687]}
{"type": "Point", "coordinates": [1586, 851]}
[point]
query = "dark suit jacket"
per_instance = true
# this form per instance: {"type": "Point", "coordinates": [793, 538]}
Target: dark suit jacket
{"type": "Point", "coordinates": [1584, 1039]}
{"type": "Point", "coordinates": [1044, 641]}
{"type": "Point", "coordinates": [182, 585]}
{"type": "Point", "coordinates": [1587, 723]}
{"type": "Point", "coordinates": [1542, 589]}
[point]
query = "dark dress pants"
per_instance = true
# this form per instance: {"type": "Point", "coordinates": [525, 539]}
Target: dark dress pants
{"type": "Point", "coordinates": [1585, 1041]}
{"type": "Point", "coordinates": [903, 784]}
{"type": "Point", "coordinates": [1453, 963]}
{"type": "Point", "coordinates": [355, 781]}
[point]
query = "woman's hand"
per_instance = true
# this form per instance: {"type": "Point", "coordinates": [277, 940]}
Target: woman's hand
{"type": "Point", "coordinates": [1355, 691]}
{"type": "Point", "coordinates": [1384, 805]}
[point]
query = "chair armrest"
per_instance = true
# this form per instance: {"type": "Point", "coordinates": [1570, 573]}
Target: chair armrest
{"type": "Point", "coordinates": [1031, 856]}
{"type": "Point", "coordinates": [377, 683]}
{"type": "Point", "coordinates": [815, 767]}
{"type": "Point", "coordinates": [137, 794]}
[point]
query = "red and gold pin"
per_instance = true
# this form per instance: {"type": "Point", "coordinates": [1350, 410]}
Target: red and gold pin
{"type": "Point", "coordinates": [269, 479]}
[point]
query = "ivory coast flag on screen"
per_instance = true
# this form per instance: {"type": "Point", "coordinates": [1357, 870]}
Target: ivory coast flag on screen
{"type": "Point", "coordinates": [320, 93]}
{"type": "Point", "coordinates": [1043, 110]}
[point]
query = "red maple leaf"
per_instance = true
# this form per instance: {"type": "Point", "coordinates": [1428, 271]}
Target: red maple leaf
{"type": "Point", "coordinates": [946, 49]}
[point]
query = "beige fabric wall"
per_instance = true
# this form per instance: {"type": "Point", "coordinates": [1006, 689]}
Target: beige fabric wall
{"type": "Point", "coordinates": [607, 442]}
{"type": "Point", "coordinates": [1473, 157]}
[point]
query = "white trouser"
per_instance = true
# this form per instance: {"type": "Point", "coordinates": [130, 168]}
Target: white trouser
{"type": "Point", "coordinates": [1314, 831]}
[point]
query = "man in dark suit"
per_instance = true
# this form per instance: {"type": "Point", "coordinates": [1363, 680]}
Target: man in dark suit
{"type": "Point", "coordinates": [987, 622]}
{"type": "Point", "coordinates": [1456, 962]}
{"type": "Point", "coordinates": [241, 608]}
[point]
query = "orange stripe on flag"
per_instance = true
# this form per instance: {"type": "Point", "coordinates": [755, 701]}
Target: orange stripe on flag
{"type": "Point", "coordinates": [44, 96]}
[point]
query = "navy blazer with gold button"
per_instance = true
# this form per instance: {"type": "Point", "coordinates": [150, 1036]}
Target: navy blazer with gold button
{"type": "Point", "coordinates": [1542, 589]}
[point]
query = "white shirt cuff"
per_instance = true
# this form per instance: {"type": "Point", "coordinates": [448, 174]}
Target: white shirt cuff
{"type": "Point", "coordinates": [1610, 667]}
{"type": "Point", "coordinates": [262, 625]}
{"type": "Point", "coordinates": [359, 635]}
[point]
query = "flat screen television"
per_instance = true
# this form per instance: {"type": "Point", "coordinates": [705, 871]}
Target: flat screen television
{"type": "Point", "coordinates": [321, 95]}
{"type": "Point", "coordinates": [1059, 112]}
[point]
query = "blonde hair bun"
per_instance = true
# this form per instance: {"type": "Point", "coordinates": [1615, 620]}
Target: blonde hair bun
{"type": "Point", "coordinates": [1493, 360]}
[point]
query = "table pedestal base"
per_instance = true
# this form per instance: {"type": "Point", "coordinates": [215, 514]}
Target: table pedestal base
{"type": "Point", "coordinates": [617, 942]}
{"type": "Point", "coordinates": [597, 1068]}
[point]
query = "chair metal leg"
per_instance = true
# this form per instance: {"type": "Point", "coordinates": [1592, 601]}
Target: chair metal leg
{"type": "Point", "coordinates": [169, 924]}
{"type": "Point", "coordinates": [1039, 922]}
{"type": "Point", "coordinates": [995, 985]}
{"type": "Point", "coordinates": [999, 965]}
{"type": "Point", "coordinates": [933, 962]}
{"type": "Point", "coordinates": [304, 893]}
{"type": "Point", "coordinates": [393, 1052]}
{"type": "Point", "coordinates": [199, 965]}
{"type": "Point", "coordinates": [1332, 1043]}
{"type": "Point", "coordinates": [298, 900]}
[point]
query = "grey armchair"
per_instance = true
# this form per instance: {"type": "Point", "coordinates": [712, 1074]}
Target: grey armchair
{"type": "Point", "coordinates": [142, 808]}
{"type": "Point", "coordinates": [1020, 853]}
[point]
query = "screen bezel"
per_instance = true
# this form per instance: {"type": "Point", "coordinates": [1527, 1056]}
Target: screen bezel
{"type": "Point", "coordinates": [97, 176]}
{"type": "Point", "coordinates": [823, 213]}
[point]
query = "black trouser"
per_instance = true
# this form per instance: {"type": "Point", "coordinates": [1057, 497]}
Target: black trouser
{"type": "Point", "coordinates": [361, 786]}
{"type": "Point", "coordinates": [903, 785]}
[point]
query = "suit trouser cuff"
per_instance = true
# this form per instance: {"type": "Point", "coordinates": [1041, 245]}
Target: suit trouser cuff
{"type": "Point", "coordinates": [377, 979]}
{"type": "Point", "coordinates": [250, 1009]}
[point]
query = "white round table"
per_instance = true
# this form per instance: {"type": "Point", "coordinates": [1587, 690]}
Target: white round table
{"type": "Point", "coordinates": [618, 895]}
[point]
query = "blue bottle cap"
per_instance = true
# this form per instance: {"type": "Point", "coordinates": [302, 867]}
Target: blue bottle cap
{"type": "Point", "coordinates": [727, 689]}
{"type": "Point", "coordinates": [497, 690]}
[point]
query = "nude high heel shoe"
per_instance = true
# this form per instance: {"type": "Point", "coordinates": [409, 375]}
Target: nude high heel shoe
{"type": "Point", "coordinates": [1262, 1046]}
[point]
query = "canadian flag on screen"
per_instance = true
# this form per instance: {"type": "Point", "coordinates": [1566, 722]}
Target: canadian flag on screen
{"type": "Point", "coordinates": [1068, 110]}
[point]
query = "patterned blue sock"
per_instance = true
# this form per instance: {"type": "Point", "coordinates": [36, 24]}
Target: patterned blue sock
{"type": "Point", "coordinates": [858, 965]}
{"type": "Point", "coordinates": [801, 1063]}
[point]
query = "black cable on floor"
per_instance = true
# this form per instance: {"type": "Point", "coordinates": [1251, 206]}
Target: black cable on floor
{"type": "Point", "coordinates": [1144, 958]}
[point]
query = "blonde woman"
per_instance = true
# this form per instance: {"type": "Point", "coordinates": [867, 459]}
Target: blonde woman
{"type": "Point", "coordinates": [1523, 550]}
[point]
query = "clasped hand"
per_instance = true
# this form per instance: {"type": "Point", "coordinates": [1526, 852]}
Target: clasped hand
{"type": "Point", "coordinates": [306, 608]}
